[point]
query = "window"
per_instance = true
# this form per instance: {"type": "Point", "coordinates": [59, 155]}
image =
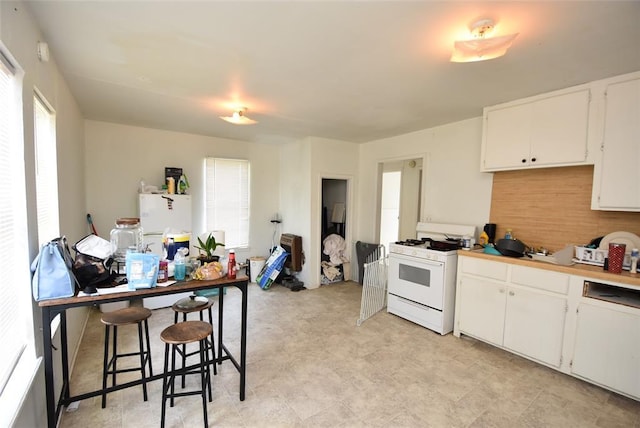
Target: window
{"type": "Point", "coordinates": [17, 359]}
{"type": "Point", "coordinates": [227, 199]}
{"type": "Point", "coordinates": [46, 170]}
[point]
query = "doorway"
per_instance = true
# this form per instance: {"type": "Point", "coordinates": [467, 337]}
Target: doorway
{"type": "Point", "coordinates": [400, 199]}
{"type": "Point", "coordinates": [334, 226]}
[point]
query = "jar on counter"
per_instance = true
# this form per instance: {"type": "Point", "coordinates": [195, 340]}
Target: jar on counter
{"type": "Point", "coordinates": [127, 236]}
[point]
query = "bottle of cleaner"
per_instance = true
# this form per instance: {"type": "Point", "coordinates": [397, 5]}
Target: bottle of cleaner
{"type": "Point", "coordinates": [183, 185]}
{"type": "Point", "coordinates": [231, 267]}
{"type": "Point", "coordinates": [634, 261]}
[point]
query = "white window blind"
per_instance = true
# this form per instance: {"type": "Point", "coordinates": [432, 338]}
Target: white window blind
{"type": "Point", "coordinates": [46, 170]}
{"type": "Point", "coordinates": [16, 324]}
{"type": "Point", "coordinates": [227, 199]}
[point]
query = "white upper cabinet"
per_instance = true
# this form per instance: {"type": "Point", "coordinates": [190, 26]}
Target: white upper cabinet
{"type": "Point", "coordinates": [538, 132]}
{"type": "Point", "coordinates": [616, 184]}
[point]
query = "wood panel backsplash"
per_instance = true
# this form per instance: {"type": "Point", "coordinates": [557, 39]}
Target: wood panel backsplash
{"type": "Point", "coordinates": [551, 208]}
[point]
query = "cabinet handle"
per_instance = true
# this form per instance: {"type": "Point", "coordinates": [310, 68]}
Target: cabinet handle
{"type": "Point", "coordinates": [524, 161]}
{"type": "Point", "coordinates": [502, 290]}
{"type": "Point", "coordinates": [511, 293]}
{"type": "Point", "coordinates": [533, 159]}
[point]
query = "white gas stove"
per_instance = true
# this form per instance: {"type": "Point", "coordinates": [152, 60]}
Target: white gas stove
{"type": "Point", "coordinates": [422, 275]}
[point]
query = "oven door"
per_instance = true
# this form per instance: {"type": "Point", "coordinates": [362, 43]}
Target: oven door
{"type": "Point", "coordinates": [416, 279]}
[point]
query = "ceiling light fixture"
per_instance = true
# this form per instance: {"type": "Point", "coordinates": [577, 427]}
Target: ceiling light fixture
{"type": "Point", "coordinates": [481, 47]}
{"type": "Point", "coordinates": [239, 118]}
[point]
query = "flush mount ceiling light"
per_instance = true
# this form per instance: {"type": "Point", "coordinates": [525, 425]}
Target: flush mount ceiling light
{"type": "Point", "coordinates": [239, 118]}
{"type": "Point", "coordinates": [481, 47]}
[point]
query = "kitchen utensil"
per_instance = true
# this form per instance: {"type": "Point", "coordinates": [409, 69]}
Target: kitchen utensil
{"type": "Point", "coordinates": [630, 240]}
{"type": "Point", "coordinates": [444, 245]}
{"type": "Point", "coordinates": [563, 257]}
{"type": "Point", "coordinates": [511, 247]}
{"type": "Point", "coordinates": [490, 249]}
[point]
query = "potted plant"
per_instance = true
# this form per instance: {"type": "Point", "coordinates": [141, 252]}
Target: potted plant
{"type": "Point", "coordinates": [207, 247]}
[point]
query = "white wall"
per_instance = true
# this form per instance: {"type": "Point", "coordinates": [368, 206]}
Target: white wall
{"type": "Point", "coordinates": [295, 196]}
{"type": "Point", "coordinates": [19, 34]}
{"type": "Point", "coordinates": [330, 159]}
{"type": "Point", "coordinates": [454, 191]}
{"type": "Point", "coordinates": [119, 156]}
{"type": "Point", "coordinates": [304, 164]}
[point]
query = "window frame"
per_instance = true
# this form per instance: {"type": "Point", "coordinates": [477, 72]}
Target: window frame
{"type": "Point", "coordinates": [235, 222]}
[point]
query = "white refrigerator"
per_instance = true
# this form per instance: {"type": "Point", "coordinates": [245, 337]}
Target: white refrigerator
{"type": "Point", "coordinates": [157, 214]}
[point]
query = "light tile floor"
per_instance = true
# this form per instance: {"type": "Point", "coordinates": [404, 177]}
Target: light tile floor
{"type": "Point", "coordinates": [309, 364]}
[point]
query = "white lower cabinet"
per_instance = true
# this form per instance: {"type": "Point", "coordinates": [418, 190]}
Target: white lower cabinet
{"type": "Point", "coordinates": [519, 314]}
{"type": "Point", "coordinates": [543, 315]}
{"type": "Point", "coordinates": [482, 308]}
{"type": "Point", "coordinates": [607, 346]}
{"type": "Point", "coordinates": [534, 325]}
{"type": "Point", "coordinates": [519, 308]}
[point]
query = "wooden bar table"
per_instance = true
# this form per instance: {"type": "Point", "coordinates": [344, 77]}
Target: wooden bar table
{"type": "Point", "coordinates": [52, 308]}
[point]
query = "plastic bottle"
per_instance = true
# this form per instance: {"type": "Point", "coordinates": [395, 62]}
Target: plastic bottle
{"type": "Point", "coordinates": [180, 265]}
{"type": "Point", "coordinates": [483, 239]}
{"type": "Point", "coordinates": [508, 235]}
{"type": "Point", "coordinates": [634, 261]}
{"type": "Point", "coordinates": [183, 185]}
{"type": "Point", "coordinates": [163, 271]}
{"type": "Point", "coordinates": [171, 185]}
{"type": "Point", "coordinates": [231, 268]}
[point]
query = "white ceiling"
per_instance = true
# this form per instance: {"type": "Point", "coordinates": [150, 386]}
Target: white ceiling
{"type": "Point", "coordinates": [354, 71]}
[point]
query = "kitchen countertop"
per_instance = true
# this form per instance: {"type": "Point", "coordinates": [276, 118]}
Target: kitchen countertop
{"type": "Point", "coordinates": [595, 272]}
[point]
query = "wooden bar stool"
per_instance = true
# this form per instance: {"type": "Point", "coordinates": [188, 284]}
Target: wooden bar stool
{"type": "Point", "coordinates": [121, 317]}
{"type": "Point", "coordinates": [189, 305]}
{"type": "Point", "coordinates": [178, 335]}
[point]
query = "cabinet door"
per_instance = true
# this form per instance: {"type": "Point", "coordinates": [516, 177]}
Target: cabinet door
{"type": "Point", "coordinates": [620, 164]}
{"type": "Point", "coordinates": [507, 137]}
{"type": "Point", "coordinates": [534, 324]}
{"type": "Point", "coordinates": [607, 348]}
{"type": "Point", "coordinates": [482, 306]}
{"type": "Point", "coordinates": [559, 129]}
{"type": "Point", "coordinates": [546, 131]}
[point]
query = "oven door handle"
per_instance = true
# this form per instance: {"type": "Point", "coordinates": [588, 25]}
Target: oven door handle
{"type": "Point", "coordinates": [412, 303]}
{"type": "Point", "coordinates": [415, 259]}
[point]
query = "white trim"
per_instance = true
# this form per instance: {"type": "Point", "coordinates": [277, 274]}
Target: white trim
{"type": "Point", "coordinates": [17, 389]}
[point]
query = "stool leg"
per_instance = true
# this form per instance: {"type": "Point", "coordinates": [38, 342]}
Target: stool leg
{"type": "Point", "coordinates": [146, 332]}
{"type": "Point", "coordinates": [142, 362]}
{"type": "Point", "coordinates": [115, 355]}
{"type": "Point", "coordinates": [184, 352]}
{"type": "Point", "coordinates": [204, 379]}
{"type": "Point", "coordinates": [173, 372]}
{"type": "Point", "coordinates": [165, 384]}
{"type": "Point", "coordinates": [105, 365]}
{"type": "Point", "coordinates": [213, 346]}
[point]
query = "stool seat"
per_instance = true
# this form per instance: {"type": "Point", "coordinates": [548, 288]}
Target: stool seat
{"type": "Point", "coordinates": [131, 315]}
{"type": "Point", "coordinates": [186, 332]}
{"type": "Point", "coordinates": [182, 306]}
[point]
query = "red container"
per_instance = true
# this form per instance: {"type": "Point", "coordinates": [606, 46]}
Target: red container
{"type": "Point", "coordinates": [616, 257]}
{"type": "Point", "coordinates": [163, 271]}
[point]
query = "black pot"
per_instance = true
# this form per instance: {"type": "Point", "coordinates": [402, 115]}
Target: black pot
{"type": "Point", "coordinates": [208, 259]}
{"type": "Point", "coordinates": [511, 247]}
